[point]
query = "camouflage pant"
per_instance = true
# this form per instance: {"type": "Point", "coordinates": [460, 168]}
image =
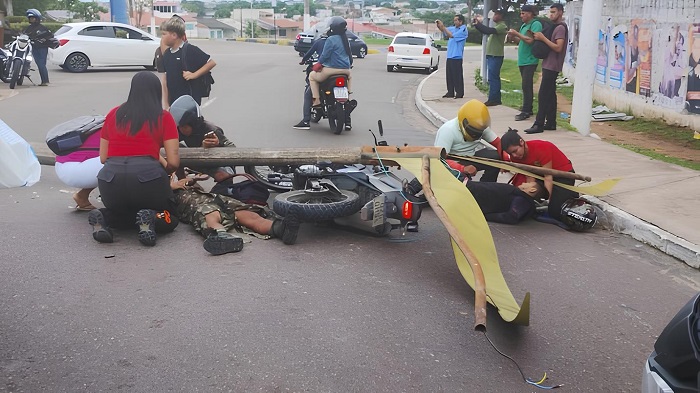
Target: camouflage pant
{"type": "Point", "coordinates": [194, 205]}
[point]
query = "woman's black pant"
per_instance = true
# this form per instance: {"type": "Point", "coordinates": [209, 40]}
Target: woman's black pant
{"type": "Point", "coordinates": [560, 196]}
{"type": "Point", "coordinates": [129, 184]}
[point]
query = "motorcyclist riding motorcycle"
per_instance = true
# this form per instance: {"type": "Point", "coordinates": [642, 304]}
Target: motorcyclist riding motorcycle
{"type": "Point", "coordinates": [41, 38]}
{"type": "Point", "coordinates": [315, 50]}
{"type": "Point", "coordinates": [336, 58]}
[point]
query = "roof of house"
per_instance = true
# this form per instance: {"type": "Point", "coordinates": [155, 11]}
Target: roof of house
{"type": "Point", "coordinates": [214, 24]}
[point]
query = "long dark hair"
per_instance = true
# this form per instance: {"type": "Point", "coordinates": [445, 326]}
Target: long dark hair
{"type": "Point", "coordinates": [510, 138]}
{"type": "Point", "coordinates": [143, 105]}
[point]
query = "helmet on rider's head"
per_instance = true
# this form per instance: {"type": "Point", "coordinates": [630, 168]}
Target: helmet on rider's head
{"type": "Point", "coordinates": [473, 118]}
{"type": "Point", "coordinates": [185, 111]}
{"type": "Point", "coordinates": [33, 12]}
{"type": "Point", "coordinates": [578, 214]}
{"type": "Point", "coordinates": [337, 25]}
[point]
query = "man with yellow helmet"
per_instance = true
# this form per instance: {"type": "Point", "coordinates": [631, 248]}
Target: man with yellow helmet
{"type": "Point", "coordinates": [465, 136]}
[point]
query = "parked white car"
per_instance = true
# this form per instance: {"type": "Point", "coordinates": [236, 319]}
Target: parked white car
{"type": "Point", "coordinates": [413, 50]}
{"type": "Point", "coordinates": [102, 44]}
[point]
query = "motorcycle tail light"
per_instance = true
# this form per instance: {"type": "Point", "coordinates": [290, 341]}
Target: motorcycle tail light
{"type": "Point", "coordinates": [426, 51]}
{"type": "Point", "coordinates": [391, 49]}
{"type": "Point", "coordinates": [407, 210]}
{"type": "Point", "coordinates": [62, 41]}
{"type": "Point", "coordinates": [340, 82]}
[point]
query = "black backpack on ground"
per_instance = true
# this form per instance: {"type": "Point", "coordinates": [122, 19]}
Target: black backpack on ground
{"type": "Point", "coordinates": [539, 48]}
{"type": "Point", "coordinates": [67, 137]}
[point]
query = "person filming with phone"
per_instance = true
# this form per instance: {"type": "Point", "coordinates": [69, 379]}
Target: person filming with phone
{"type": "Point", "coordinates": [194, 131]}
{"type": "Point", "coordinates": [456, 37]}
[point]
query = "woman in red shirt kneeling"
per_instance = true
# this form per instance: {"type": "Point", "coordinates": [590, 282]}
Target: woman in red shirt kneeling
{"type": "Point", "coordinates": [546, 155]}
{"type": "Point", "coordinates": [134, 182]}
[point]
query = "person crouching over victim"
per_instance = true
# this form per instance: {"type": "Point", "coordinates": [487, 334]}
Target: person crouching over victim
{"type": "Point", "coordinates": [213, 215]}
{"type": "Point", "coordinates": [463, 136]}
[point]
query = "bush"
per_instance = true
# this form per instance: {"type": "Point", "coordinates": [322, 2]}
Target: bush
{"type": "Point", "coordinates": [15, 19]}
{"type": "Point", "coordinates": [21, 26]}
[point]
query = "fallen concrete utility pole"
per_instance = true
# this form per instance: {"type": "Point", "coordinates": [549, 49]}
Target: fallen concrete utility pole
{"type": "Point", "coordinates": [531, 168]}
{"type": "Point", "coordinates": [237, 156]}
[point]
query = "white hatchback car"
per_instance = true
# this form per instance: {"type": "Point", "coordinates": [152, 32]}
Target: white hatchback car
{"type": "Point", "coordinates": [413, 50]}
{"type": "Point", "coordinates": [102, 44]}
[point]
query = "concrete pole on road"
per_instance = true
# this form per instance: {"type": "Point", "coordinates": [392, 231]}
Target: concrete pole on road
{"type": "Point", "coordinates": [307, 17]}
{"type": "Point", "coordinates": [585, 66]}
{"type": "Point", "coordinates": [487, 22]}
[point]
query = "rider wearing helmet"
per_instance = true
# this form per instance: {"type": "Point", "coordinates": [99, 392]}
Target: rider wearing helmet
{"type": "Point", "coordinates": [544, 154]}
{"type": "Point", "coordinates": [463, 136]}
{"type": "Point", "coordinates": [196, 132]}
{"type": "Point", "coordinates": [336, 58]}
{"type": "Point", "coordinates": [40, 37]}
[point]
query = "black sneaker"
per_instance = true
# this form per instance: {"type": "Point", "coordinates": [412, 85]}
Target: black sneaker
{"type": "Point", "coordinates": [550, 127]}
{"type": "Point", "coordinates": [492, 103]}
{"type": "Point", "coordinates": [302, 126]}
{"type": "Point", "coordinates": [100, 231]}
{"type": "Point", "coordinates": [145, 219]}
{"type": "Point", "coordinates": [348, 127]}
{"type": "Point", "coordinates": [522, 116]}
{"type": "Point", "coordinates": [448, 95]}
{"type": "Point", "coordinates": [221, 242]}
{"type": "Point", "coordinates": [291, 229]}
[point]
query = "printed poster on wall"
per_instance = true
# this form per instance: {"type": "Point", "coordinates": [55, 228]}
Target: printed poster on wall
{"type": "Point", "coordinates": [617, 66]}
{"type": "Point", "coordinates": [638, 70]}
{"type": "Point", "coordinates": [601, 67]}
{"type": "Point", "coordinates": [574, 25]}
{"type": "Point", "coordinates": [693, 95]}
{"type": "Point", "coordinates": [670, 66]}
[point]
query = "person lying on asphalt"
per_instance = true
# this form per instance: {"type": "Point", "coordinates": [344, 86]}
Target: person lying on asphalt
{"type": "Point", "coordinates": [213, 215]}
{"type": "Point", "coordinates": [505, 203]}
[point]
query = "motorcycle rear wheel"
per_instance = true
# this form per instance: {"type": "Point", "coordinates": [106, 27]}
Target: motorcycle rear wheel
{"type": "Point", "coordinates": [313, 208]}
{"type": "Point", "coordinates": [339, 118]}
{"type": "Point", "coordinates": [261, 173]}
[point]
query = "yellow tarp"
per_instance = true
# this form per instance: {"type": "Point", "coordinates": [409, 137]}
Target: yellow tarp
{"type": "Point", "coordinates": [465, 214]}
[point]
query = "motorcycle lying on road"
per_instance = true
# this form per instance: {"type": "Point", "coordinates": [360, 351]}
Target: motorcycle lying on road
{"type": "Point", "coordinates": [19, 62]}
{"type": "Point", "coordinates": [371, 198]}
{"type": "Point", "coordinates": [336, 104]}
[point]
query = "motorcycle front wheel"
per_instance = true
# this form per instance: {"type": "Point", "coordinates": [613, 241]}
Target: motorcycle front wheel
{"type": "Point", "coordinates": [310, 207]}
{"type": "Point", "coordinates": [15, 70]}
{"type": "Point", "coordinates": [20, 81]}
{"type": "Point", "coordinates": [275, 178]}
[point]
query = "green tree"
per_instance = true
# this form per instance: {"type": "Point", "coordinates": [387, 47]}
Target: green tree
{"type": "Point", "coordinates": [298, 9]}
{"type": "Point", "coordinates": [252, 26]}
{"type": "Point", "coordinates": [195, 7]}
{"type": "Point", "coordinates": [88, 11]}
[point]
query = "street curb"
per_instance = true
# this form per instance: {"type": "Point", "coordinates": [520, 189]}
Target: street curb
{"type": "Point", "coordinates": [613, 219]}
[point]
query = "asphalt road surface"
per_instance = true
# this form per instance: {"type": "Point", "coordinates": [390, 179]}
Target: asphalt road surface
{"type": "Point", "coordinates": [340, 311]}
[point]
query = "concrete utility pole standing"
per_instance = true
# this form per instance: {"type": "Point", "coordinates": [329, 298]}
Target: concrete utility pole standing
{"type": "Point", "coordinates": [307, 17]}
{"type": "Point", "coordinates": [487, 22]}
{"type": "Point", "coordinates": [585, 66]}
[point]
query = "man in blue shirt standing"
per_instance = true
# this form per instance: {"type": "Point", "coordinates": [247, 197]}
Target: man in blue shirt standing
{"type": "Point", "coordinates": [456, 37]}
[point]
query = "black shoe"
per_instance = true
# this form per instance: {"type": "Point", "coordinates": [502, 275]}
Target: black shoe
{"type": "Point", "coordinates": [220, 243]}
{"type": "Point", "coordinates": [145, 219]}
{"type": "Point", "coordinates": [456, 97]}
{"type": "Point", "coordinates": [348, 127]}
{"type": "Point", "coordinates": [286, 229]}
{"type": "Point", "coordinates": [448, 95]}
{"type": "Point", "coordinates": [492, 103]}
{"type": "Point", "coordinates": [302, 126]}
{"type": "Point", "coordinates": [535, 129]}
{"type": "Point", "coordinates": [100, 231]}
{"type": "Point", "coordinates": [550, 127]}
{"type": "Point", "coordinates": [522, 116]}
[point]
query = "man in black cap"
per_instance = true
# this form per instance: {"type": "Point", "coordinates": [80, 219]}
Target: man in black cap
{"type": "Point", "coordinates": [494, 53]}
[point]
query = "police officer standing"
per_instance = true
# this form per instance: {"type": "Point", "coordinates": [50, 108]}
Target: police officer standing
{"type": "Point", "coordinates": [40, 37]}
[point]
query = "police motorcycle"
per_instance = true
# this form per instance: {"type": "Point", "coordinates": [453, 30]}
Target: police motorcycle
{"type": "Point", "coordinates": [336, 104]}
{"type": "Point", "coordinates": [371, 198]}
{"type": "Point", "coordinates": [19, 61]}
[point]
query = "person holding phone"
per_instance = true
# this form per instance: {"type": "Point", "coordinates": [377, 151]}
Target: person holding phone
{"type": "Point", "coordinates": [456, 37]}
{"type": "Point", "coordinates": [194, 131]}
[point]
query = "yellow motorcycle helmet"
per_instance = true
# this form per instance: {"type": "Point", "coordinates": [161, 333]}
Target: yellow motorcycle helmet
{"type": "Point", "coordinates": [473, 118]}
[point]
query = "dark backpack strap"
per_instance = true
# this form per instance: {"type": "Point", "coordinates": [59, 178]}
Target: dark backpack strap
{"type": "Point", "coordinates": [184, 64]}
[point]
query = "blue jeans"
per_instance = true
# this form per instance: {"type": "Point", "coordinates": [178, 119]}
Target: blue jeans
{"type": "Point", "coordinates": [40, 55]}
{"type": "Point", "coordinates": [493, 76]}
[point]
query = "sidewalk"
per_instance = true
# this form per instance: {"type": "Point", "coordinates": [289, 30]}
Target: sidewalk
{"type": "Point", "coordinates": [655, 202]}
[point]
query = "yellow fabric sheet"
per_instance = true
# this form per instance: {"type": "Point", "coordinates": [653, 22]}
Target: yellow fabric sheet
{"type": "Point", "coordinates": [465, 215]}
